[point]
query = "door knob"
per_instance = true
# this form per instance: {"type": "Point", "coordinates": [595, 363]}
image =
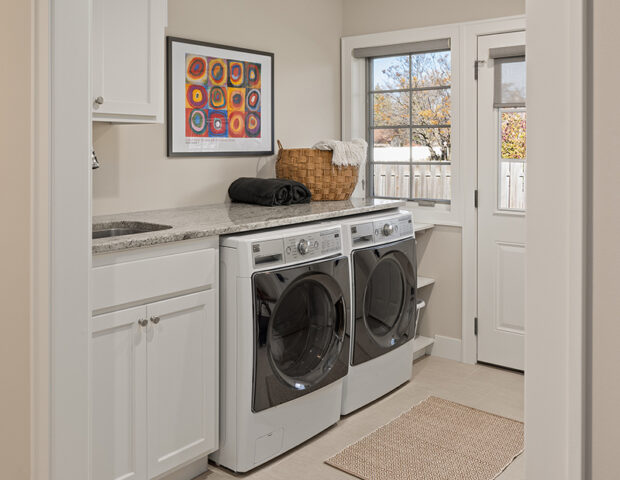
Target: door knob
{"type": "Point", "coordinates": [99, 100]}
{"type": "Point", "coordinates": [155, 320]}
{"type": "Point", "coordinates": [143, 322]}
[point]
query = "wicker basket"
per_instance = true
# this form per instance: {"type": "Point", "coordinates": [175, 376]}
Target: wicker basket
{"type": "Point", "coordinates": [314, 169]}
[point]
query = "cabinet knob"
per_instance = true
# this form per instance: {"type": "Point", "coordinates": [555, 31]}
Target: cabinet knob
{"type": "Point", "coordinates": [99, 100]}
{"type": "Point", "coordinates": [155, 320]}
{"type": "Point", "coordinates": [143, 322]}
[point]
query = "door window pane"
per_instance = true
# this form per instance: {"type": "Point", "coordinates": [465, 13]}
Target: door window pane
{"type": "Point", "coordinates": [509, 82]}
{"type": "Point", "coordinates": [512, 185]}
{"type": "Point", "coordinates": [512, 159]}
{"type": "Point", "coordinates": [513, 129]}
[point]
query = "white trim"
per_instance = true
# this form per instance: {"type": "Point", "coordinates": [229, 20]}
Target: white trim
{"type": "Point", "coordinates": [556, 226]}
{"type": "Point", "coordinates": [40, 447]}
{"type": "Point", "coordinates": [68, 184]}
{"type": "Point", "coordinates": [447, 347]}
{"type": "Point", "coordinates": [469, 173]}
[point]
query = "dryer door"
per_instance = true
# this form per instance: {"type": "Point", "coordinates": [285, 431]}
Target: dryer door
{"type": "Point", "coordinates": [301, 315]}
{"type": "Point", "coordinates": [385, 298]}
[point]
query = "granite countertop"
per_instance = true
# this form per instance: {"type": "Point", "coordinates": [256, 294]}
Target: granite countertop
{"type": "Point", "coordinates": [224, 218]}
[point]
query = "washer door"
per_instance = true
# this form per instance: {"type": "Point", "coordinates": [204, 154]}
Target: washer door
{"type": "Point", "coordinates": [301, 316]}
{"type": "Point", "coordinates": [385, 299]}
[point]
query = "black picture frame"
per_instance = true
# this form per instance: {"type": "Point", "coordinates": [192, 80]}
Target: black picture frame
{"type": "Point", "coordinates": [205, 145]}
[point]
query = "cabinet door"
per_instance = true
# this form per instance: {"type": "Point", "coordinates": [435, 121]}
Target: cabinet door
{"type": "Point", "coordinates": [182, 377]}
{"type": "Point", "coordinates": [128, 60]}
{"type": "Point", "coordinates": [119, 395]}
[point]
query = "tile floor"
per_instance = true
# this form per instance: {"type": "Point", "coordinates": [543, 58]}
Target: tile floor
{"type": "Point", "coordinates": [487, 388]}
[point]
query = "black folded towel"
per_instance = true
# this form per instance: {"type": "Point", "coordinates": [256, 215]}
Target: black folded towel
{"type": "Point", "coordinates": [300, 192]}
{"type": "Point", "coordinates": [268, 191]}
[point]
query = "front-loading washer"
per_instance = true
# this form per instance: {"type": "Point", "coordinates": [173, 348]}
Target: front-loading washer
{"type": "Point", "coordinates": [284, 340]}
{"type": "Point", "coordinates": [383, 275]}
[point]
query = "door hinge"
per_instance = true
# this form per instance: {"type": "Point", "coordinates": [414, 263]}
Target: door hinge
{"type": "Point", "coordinates": [476, 326]}
{"type": "Point", "coordinates": [476, 198]}
{"type": "Point", "coordinates": [477, 68]}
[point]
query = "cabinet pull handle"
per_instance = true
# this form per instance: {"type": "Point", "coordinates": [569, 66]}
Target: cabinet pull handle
{"type": "Point", "coordinates": [155, 320]}
{"type": "Point", "coordinates": [99, 100]}
{"type": "Point", "coordinates": [143, 322]}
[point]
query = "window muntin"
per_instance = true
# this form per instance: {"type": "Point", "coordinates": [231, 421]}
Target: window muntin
{"type": "Point", "coordinates": [409, 126]}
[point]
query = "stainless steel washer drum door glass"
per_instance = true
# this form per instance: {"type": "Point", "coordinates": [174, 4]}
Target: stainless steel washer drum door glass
{"type": "Point", "coordinates": [301, 338]}
{"type": "Point", "coordinates": [385, 298]}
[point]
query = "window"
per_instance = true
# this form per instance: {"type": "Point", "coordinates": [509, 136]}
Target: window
{"type": "Point", "coordinates": [509, 99]}
{"type": "Point", "coordinates": [409, 109]}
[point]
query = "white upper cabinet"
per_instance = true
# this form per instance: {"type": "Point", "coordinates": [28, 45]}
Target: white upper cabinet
{"type": "Point", "coordinates": [128, 60]}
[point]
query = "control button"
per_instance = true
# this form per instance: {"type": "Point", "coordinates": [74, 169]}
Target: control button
{"type": "Point", "coordinates": [288, 250]}
{"type": "Point", "coordinates": [377, 231]}
{"type": "Point", "coordinates": [396, 228]}
{"type": "Point", "coordinates": [316, 244]}
{"type": "Point", "coordinates": [303, 246]}
{"type": "Point", "coordinates": [388, 229]}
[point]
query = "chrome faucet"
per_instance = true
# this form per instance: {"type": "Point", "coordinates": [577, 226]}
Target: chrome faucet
{"type": "Point", "coordinates": [94, 161]}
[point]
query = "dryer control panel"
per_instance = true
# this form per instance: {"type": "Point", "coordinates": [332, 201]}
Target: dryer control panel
{"type": "Point", "coordinates": [393, 228]}
{"type": "Point", "coordinates": [312, 245]}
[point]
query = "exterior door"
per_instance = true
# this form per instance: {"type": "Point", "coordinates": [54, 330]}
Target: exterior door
{"type": "Point", "coordinates": [182, 380]}
{"type": "Point", "coordinates": [501, 199]}
{"type": "Point", "coordinates": [119, 395]}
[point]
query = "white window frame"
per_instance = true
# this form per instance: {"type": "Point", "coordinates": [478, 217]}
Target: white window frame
{"type": "Point", "coordinates": [354, 109]}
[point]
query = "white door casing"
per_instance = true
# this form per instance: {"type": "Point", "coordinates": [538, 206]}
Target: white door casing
{"type": "Point", "coordinates": [182, 380]}
{"type": "Point", "coordinates": [118, 379]}
{"type": "Point", "coordinates": [501, 231]}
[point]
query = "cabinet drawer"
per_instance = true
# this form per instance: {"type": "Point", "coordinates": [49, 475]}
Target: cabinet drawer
{"type": "Point", "coordinates": [151, 278]}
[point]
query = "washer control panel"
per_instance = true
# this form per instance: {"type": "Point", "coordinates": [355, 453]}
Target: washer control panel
{"type": "Point", "coordinates": [312, 245]}
{"type": "Point", "coordinates": [395, 227]}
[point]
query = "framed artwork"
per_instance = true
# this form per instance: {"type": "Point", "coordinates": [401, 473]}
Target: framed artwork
{"type": "Point", "coordinates": [220, 100]}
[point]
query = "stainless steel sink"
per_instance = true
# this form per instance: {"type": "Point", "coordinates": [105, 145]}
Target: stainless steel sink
{"type": "Point", "coordinates": [116, 229]}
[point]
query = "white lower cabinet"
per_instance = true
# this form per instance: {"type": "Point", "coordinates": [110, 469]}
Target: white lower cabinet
{"type": "Point", "coordinates": [118, 383]}
{"type": "Point", "coordinates": [182, 382]}
{"type": "Point", "coordinates": [154, 381]}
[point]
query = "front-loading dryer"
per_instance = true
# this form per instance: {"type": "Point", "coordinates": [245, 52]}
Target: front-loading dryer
{"type": "Point", "coordinates": [383, 275]}
{"type": "Point", "coordinates": [285, 305]}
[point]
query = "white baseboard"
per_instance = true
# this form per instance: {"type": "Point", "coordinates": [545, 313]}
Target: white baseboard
{"type": "Point", "coordinates": [447, 347]}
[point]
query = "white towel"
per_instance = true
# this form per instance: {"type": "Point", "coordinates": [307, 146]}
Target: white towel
{"type": "Point", "coordinates": [345, 153]}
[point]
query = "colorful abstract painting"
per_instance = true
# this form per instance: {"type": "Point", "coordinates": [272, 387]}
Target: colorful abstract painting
{"type": "Point", "coordinates": [220, 99]}
{"type": "Point", "coordinates": [223, 97]}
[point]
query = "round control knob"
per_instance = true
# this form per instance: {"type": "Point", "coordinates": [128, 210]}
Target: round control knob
{"type": "Point", "coordinates": [388, 229]}
{"type": "Point", "coordinates": [303, 246]}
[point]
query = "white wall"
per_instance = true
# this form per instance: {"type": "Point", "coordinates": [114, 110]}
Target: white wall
{"type": "Point", "coordinates": [15, 171]}
{"type": "Point", "coordinates": [606, 236]}
{"type": "Point", "coordinates": [439, 257]}
{"type": "Point", "coordinates": [135, 173]}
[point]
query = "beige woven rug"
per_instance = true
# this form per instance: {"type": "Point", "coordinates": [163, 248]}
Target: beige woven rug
{"type": "Point", "coordinates": [435, 440]}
